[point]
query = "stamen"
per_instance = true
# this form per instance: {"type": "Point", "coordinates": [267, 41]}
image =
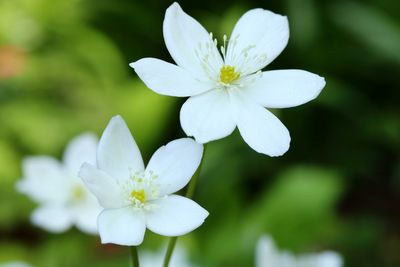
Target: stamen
{"type": "Point", "coordinates": [140, 188]}
{"type": "Point", "coordinates": [78, 193]}
{"type": "Point", "coordinates": [228, 74]}
{"type": "Point", "coordinates": [139, 195]}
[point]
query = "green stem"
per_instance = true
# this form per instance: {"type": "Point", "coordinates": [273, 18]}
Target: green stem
{"type": "Point", "coordinates": [134, 256]}
{"type": "Point", "coordinates": [189, 194]}
{"type": "Point", "coordinates": [170, 249]}
{"type": "Point", "coordinates": [193, 182]}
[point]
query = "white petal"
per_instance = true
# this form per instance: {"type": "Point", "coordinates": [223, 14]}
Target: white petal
{"type": "Point", "coordinates": [175, 216]}
{"type": "Point", "coordinates": [175, 164]}
{"type": "Point", "coordinates": [261, 130]}
{"type": "Point", "coordinates": [168, 79]}
{"type": "Point", "coordinates": [124, 226]}
{"type": "Point", "coordinates": [188, 42]}
{"type": "Point", "coordinates": [117, 154]}
{"type": "Point", "coordinates": [53, 218]}
{"type": "Point", "coordinates": [86, 214]}
{"type": "Point", "coordinates": [208, 116]}
{"type": "Point", "coordinates": [286, 88]}
{"type": "Point", "coordinates": [328, 259]}
{"type": "Point", "coordinates": [44, 180]}
{"type": "Point", "coordinates": [266, 253]}
{"type": "Point", "coordinates": [104, 187]}
{"type": "Point", "coordinates": [259, 33]}
{"type": "Point", "coordinates": [81, 149]}
{"type": "Point", "coordinates": [86, 224]}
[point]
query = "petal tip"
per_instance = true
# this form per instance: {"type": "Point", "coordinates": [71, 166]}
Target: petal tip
{"type": "Point", "coordinates": [174, 7]}
{"type": "Point", "coordinates": [322, 81]}
{"type": "Point", "coordinates": [205, 214]}
{"type": "Point", "coordinates": [138, 63]}
{"type": "Point", "coordinates": [132, 64]}
{"type": "Point", "coordinates": [117, 119]}
{"type": "Point", "coordinates": [278, 151]}
{"type": "Point", "coordinates": [83, 168]}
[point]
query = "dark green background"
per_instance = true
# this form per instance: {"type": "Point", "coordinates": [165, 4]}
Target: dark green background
{"type": "Point", "coordinates": [64, 70]}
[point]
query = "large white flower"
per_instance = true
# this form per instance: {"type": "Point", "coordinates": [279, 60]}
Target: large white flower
{"type": "Point", "coordinates": [62, 197]}
{"type": "Point", "coordinates": [228, 89]}
{"type": "Point", "coordinates": [267, 255]}
{"type": "Point", "coordinates": [134, 197]}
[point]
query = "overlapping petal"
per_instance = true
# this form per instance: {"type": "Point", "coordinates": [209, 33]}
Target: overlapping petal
{"type": "Point", "coordinates": [123, 226]}
{"type": "Point", "coordinates": [208, 116]}
{"type": "Point", "coordinates": [54, 218]}
{"type": "Point", "coordinates": [328, 259]}
{"type": "Point", "coordinates": [285, 88]}
{"type": "Point", "coordinates": [86, 217]}
{"type": "Point", "coordinates": [168, 79]}
{"type": "Point", "coordinates": [79, 150]}
{"type": "Point", "coordinates": [103, 186]}
{"type": "Point", "coordinates": [266, 253]}
{"type": "Point", "coordinates": [174, 164]}
{"type": "Point", "coordinates": [261, 129]}
{"type": "Point", "coordinates": [174, 216]}
{"type": "Point", "coordinates": [188, 42]}
{"type": "Point", "coordinates": [44, 180]}
{"type": "Point", "coordinates": [117, 153]}
{"type": "Point", "coordinates": [257, 39]}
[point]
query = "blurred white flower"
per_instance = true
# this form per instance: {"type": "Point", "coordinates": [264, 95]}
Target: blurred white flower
{"type": "Point", "coordinates": [228, 89]}
{"type": "Point", "coordinates": [267, 255]}
{"type": "Point", "coordinates": [151, 259]}
{"type": "Point", "coordinates": [134, 197]}
{"type": "Point", "coordinates": [15, 264]}
{"type": "Point", "coordinates": [62, 197]}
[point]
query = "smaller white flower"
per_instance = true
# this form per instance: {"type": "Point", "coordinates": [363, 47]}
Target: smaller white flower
{"type": "Point", "coordinates": [267, 255]}
{"type": "Point", "coordinates": [15, 264]}
{"type": "Point", "coordinates": [62, 197]}
{"type": "Point", "coordinates": [135, 198]}
{"type": "Point", "coordinates": [179, 258]}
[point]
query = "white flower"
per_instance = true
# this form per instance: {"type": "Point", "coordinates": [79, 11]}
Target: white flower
{"type": "Point", "coordinates": [267, 255]}
{"type": "Point", "coordinates": [62, 197]}
{"type": "Point", "coordinates": [228, 89]}
{"type": "Point", "coordinates": [15, 264]}
{"type": "Point", "coordinates": [179, 258]}
{"type": "Point", "coordinates": [134, 197]}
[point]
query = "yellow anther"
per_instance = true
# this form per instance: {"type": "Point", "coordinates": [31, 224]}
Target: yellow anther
{"type": "Point", "coordinates": [78, 192]}
{"type": "Point", "coordinates": [139, 195]}
{"type": "Point", "coordinates": [228, 74]}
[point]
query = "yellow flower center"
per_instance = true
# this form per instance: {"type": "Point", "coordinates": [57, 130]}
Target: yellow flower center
{"type": "Point", "coordinates": [78, 193]}
{"type": "Point", "coordinates": [228, 74]}
{"type": "Point", "coordinates": [139, 195]}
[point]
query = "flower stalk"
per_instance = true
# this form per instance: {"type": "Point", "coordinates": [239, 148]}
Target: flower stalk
{"type": "Point", "coordinates": [134, 256]}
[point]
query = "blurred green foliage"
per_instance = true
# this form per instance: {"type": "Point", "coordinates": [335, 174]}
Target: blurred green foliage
{"type": "Point", "coordinates": [64, 70]}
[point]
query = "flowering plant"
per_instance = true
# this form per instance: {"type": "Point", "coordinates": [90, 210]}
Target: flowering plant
{"type": "Point", "coordinates": [227, 88]}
